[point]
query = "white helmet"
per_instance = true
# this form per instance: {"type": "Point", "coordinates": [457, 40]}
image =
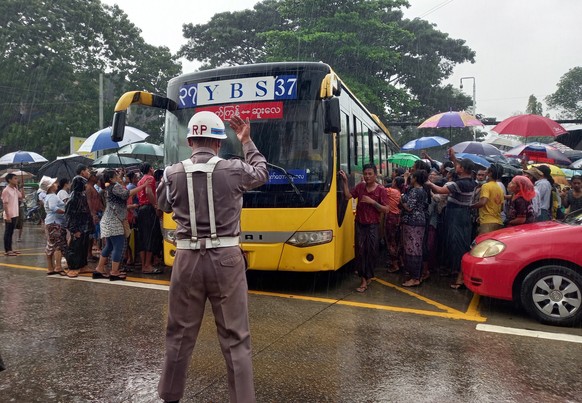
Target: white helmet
{"type": "Point", "coordinates": [206, 124]}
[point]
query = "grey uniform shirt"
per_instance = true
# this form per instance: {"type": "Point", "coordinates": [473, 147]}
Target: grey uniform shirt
{"type": "Point", "coordinates": [230, 179]}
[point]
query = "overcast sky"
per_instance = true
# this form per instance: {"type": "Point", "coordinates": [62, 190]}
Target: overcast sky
{"type": "Point", "coordinates": [523, 46]}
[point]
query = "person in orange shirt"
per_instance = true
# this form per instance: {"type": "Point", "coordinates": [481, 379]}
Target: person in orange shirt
{"type": "Point", "coordinates": [392, 224]}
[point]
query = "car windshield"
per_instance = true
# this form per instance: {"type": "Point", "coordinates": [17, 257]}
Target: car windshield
{"type": "Point", "coordinates": [574, 218]}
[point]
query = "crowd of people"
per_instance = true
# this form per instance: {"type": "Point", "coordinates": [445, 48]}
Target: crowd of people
{"type": "Point", "coordinates": [94, 213]}
{"type": "Point", "coordinates": [429, 215]}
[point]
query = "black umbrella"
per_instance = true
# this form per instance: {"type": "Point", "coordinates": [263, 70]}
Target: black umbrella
{"type": "Point", "coordinates": [64, 167]}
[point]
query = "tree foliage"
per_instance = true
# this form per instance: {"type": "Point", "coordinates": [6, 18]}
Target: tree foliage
{"type": "Point", "coordinates": [52, 54]}
{"type": "Point", "coordinates": [568, 97]}
{"type": "Point", "coordinates": [534, 107]}
{"type": "Point", "coordinates": [396, 66]}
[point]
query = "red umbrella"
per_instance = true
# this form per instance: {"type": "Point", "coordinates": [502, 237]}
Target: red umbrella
{"type": "Point", "coordinates": [529, 126]}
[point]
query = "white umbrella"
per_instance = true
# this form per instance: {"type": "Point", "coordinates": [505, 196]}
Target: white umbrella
{"type": "Point", "coordinates": [114, 160]}
{"type": "Point", "coordinates": [101, 140]}
{"type": "Point", "coordinates": [142, 149]}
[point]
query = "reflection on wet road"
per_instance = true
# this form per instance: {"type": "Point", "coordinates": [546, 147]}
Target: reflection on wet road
{"type": "Point", "coordinates": [314, 340]}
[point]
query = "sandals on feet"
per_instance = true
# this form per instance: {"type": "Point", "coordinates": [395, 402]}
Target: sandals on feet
{"type": "Point", "coordinates": [362, 289]}
{"type": "Point", "coordinates": [411, 283]}
{"type": "Point", "coordinates": [120, 277]}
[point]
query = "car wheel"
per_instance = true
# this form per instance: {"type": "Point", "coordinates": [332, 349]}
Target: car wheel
{"type": "Point", "coordinates": [553, 295]}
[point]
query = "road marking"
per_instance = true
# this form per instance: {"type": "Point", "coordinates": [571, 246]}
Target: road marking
{"type": "Point", "coordinates": [449, 313]}
{"type": "Point", "coordinates": [420, 297]}
{"type": "Point", "coordinates": [529, 333]}
{"type": "Point", "coordinates": [129, 282]}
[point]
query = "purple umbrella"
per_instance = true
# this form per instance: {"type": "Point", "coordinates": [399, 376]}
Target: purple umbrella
{"type": "Point", "coordinates": [450, 119]}
{"type": "Point", "coordinates": [476, 147]}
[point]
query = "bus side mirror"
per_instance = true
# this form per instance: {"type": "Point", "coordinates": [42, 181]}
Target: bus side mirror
{"type": "Point", "coordinates": [118, 126]}
{"type": "Point", "coordinates": [332, 116]}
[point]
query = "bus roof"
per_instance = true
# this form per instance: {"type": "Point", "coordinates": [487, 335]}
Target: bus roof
{"type": "Point", "coordinates": [263, 68]}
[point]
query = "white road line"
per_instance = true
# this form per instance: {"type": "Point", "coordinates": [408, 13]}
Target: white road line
{"type": "Point", "coordinates": [529, 333]}
{"type": "Point", "coordinates": [122, 283]}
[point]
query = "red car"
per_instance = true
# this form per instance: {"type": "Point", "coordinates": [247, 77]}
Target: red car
{"type": "Point", "coordinates": [538, 265]}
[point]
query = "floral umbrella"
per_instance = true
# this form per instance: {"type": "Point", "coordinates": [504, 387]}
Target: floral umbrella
{"type": "Point", "coordinates": [403, 159]}
{"type": "Point", "coordinates": [540, 152]}
{"type": "Point", "coordinates": [450, 119]}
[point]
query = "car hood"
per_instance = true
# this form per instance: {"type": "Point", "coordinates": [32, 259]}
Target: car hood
{"type": "Point", "coordinates": [540, 231]}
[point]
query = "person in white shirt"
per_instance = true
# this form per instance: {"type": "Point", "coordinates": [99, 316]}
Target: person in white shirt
{"type": "Point", "coordinates": [63, 189]}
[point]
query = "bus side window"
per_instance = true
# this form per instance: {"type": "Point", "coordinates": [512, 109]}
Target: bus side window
{"type": "Point", "coordinates": [378, 153]}
{"type": "Point", "coordinates": [344, 145]}
{"type": "Point", "coordinates": [365, 144]}
{"type": "Point", "coordinates": [354, 133]}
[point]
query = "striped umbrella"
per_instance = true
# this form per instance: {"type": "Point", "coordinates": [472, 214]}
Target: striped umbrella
{"type": "Point", "coordinates": [450, 119]}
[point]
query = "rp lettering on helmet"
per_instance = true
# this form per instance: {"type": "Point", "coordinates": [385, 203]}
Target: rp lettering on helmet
{"type": "Point", "coordinates": [206, 124]}
{"type": "Point", "coordinates": [201, 128]}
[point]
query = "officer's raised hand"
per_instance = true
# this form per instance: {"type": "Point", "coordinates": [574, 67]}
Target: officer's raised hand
{"type": "Point", "coordinates": [241, 128]}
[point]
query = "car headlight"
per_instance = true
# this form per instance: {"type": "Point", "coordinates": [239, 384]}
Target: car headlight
{"type": "Point", "coordinates": [488, 248]}
{"type": "Point", "coordinates": [310, 238]}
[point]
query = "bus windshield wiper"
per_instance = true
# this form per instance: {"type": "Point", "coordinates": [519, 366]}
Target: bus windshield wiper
{"type": "Point", "coordinates": [289, 179]}
{"type": "Point", "coordinates": [288, 175]}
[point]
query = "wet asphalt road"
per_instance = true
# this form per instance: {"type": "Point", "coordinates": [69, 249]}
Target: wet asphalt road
{"type": "Point", "coordinates": [314, 340]}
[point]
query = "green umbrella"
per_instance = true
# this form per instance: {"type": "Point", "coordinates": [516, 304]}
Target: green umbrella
{"type": "Point", "coordinates": [403, 159]}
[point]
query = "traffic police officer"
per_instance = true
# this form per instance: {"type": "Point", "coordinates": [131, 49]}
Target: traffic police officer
{"type": "Point", "coordinates": [205, 193]}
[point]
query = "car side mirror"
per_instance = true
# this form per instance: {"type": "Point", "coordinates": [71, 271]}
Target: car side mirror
{"type": "Point", "coordinates": [118, 126]}
{"type": "Point", "coordinates": [332, 116]}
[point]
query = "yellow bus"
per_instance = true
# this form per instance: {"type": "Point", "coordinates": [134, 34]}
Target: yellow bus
{"type": "Point", "coordinates": [308, 125]}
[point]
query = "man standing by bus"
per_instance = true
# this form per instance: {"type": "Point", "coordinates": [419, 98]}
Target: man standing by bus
{"type": "Point", "coordinates": [205, 193]}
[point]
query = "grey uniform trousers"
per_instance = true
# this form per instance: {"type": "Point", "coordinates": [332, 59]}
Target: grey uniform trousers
{"type": "Point", "coordinates": [219, 276]}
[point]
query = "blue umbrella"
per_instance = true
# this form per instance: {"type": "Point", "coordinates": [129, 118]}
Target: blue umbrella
{"type": "Point", "coordinates": [425, 142]}
{"type": "Point", "coordinates": [101, 140]}
{"type": "Point", "coordinates": [475, 158]}
{"type": "Point", "coordinates": [21, 157]}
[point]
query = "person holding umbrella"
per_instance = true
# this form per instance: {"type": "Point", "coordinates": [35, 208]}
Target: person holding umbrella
{"type": "Point", "coordinates": [458, 214]}
{"type": "Point", "coordinates": [113, 224]}
{"type": "Point", "coordinates": [11, 197]}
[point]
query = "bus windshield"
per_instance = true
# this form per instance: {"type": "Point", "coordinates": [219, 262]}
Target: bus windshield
{"type": "Point", "coordinates": [295, 147]}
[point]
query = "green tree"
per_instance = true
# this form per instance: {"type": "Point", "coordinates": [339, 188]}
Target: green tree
{"type": "Point", "coordinates": [534, 107]}
{"type": "Point", "coordinates": [51, 56]}
{"type": "Point", "coordinates": [394, 65]}
{"type": "Point", "coordinates": [568, 97]}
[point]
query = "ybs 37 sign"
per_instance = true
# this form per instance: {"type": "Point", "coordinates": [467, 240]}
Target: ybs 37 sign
{"type": "Point", "coordinates": [239, 90]}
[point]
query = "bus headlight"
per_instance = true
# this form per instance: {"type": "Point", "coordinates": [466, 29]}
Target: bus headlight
{"type": "Point", "coordinates": [487, 248]}
{"type": "Point", "coordinates": [169, 235]}
{"type": "Point", "coordinates": [310, 238]}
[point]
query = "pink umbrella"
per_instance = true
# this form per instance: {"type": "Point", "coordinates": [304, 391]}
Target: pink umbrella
{"type": "Point", "coordinates": [529, 126]}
